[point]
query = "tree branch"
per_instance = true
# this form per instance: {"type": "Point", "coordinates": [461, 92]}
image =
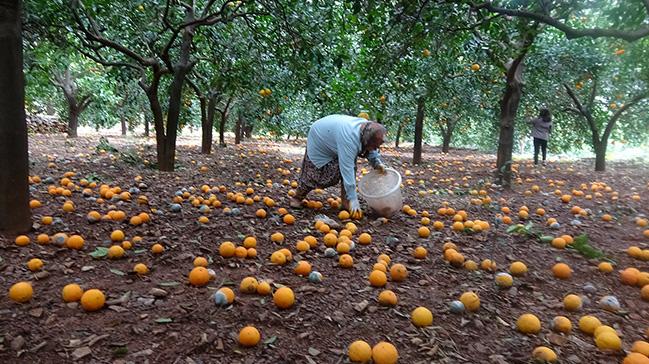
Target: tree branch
{"type": "Point", "coordinates": [95, 35]}
{"type": "Point", "coordinates": [593, 91]}
{"type": "Point", "coordinates": [585, 113]}
{"type": "Point", "coordinates": [616, 116]}
{"type": "Point", "coordinates": [571, 33]}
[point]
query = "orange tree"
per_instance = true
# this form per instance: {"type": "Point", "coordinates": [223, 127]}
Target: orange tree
{"type": "Point", "coordinates": [597, 89]}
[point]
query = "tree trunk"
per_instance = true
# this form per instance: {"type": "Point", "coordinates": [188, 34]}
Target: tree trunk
{"type": "Point", "coordinates": [508, 109]}
{"type": "Point", "coordinates": [146, 124]}
{"type": "Point", "coordinates": [446, 141]}
{"type": "Point", "coordinates": [419, 129]}
{"type": "Point", "coordinates": [237, 130]}
{"type": "Point", "coordinates": [15, 215]}
{"type": "Point", "coordinates": [122, 121]}
{"type": "Point", "coordinates": [73, 121]}
{"type": "Point", "coordinates": [224, 120]}
{"type": "Point", "coordinates": [206, 128]}
{"type": "Point", "coordinates": [166, 160]}
{"type": "Point", "coordinates": [247, 131]}
{"type": "Point", "coordinates": [600, 155]}
{"type": "Point", "coordinates": [398, 136]}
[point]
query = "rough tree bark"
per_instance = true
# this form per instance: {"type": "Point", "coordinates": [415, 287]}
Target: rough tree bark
{"type": "Point", "coordinates": [447, 134]}
{"type": "Point", "coordinates": [76, 106]}
{"type": "Point", "coordinates": [419, 129]}
{"type": "Point", "coordinates": [237, 129]}
{"type": "Point", "coordinates": [146, 124]}
{"type": "Point", "coordinates": [15, 215]}
{"type": "Point", "coordinates": [224, 119]}
{"type": "Point", "coordinates": [397, 138]}
{"type": "Point", "coordinates": [508, 109]}
{"type": "Point", "coordinates": [600, 142]}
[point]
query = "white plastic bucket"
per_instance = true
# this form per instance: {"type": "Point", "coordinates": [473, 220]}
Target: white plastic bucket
{"type": "Point", "coordinates": [382, 192]}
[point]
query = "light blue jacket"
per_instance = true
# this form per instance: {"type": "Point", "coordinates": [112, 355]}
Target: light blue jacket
{"type": "Point", "coordinates": [339, 136]}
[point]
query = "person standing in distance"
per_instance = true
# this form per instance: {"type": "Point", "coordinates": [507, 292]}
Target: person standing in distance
{"type": "Point", "coordinates": [541, 129]}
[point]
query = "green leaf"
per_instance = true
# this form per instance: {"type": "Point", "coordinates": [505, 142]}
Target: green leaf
{"type": "Point", "coordinates": [99, 252]}
{"type": "Point", "coordinates": [139, 251]}
{"type": "Point", "coordinates": [513, 228]}
{"type": "Point", "coordinates": [546, 239]}
{"type": "Point", "coordinates": [117, 271]}
{"type": "Point", "coordinates": [164, 320]}
{"type": "Point", "coordinates": [270, 340]}
{"type": "Point", "coordinates": [584, 248]}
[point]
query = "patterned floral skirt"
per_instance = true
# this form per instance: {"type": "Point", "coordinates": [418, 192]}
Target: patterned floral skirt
{"type": "Point", "coordinates": [313, 177]}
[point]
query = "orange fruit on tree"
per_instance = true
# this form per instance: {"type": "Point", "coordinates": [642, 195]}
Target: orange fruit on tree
{"type": "Point", "coordinates": [199, 276]}
{"type": "Point", "coordinates": [92, 300]}
{"type": "Point", "coordinates": [385, 353]}
{"type": "Point", "coordinates": [562, 271]}
{"type": "Point", "coordinates": [359, 351]}
{"type": "Point", "coordinates": [387, 298]}
{"type": "Point", "coordinates": [284, 297]}
{"type": "Point", "coordinates": [21, 292]}
{"type": "Point", "coordinates": [249, 336]}
{"type": "Point", "coordinates": [71, 292]}
{"type": "Point", "coordinates": [377, 278]}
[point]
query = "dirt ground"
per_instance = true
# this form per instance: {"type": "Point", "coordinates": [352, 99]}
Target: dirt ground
{"type": "Point", "coordinates": [179, 323]}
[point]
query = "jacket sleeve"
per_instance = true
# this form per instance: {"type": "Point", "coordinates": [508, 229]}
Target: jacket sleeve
{"type": "Point", "coordinates": [347, 163]}
{"type": "Point", "coordinates": [374, 158]}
